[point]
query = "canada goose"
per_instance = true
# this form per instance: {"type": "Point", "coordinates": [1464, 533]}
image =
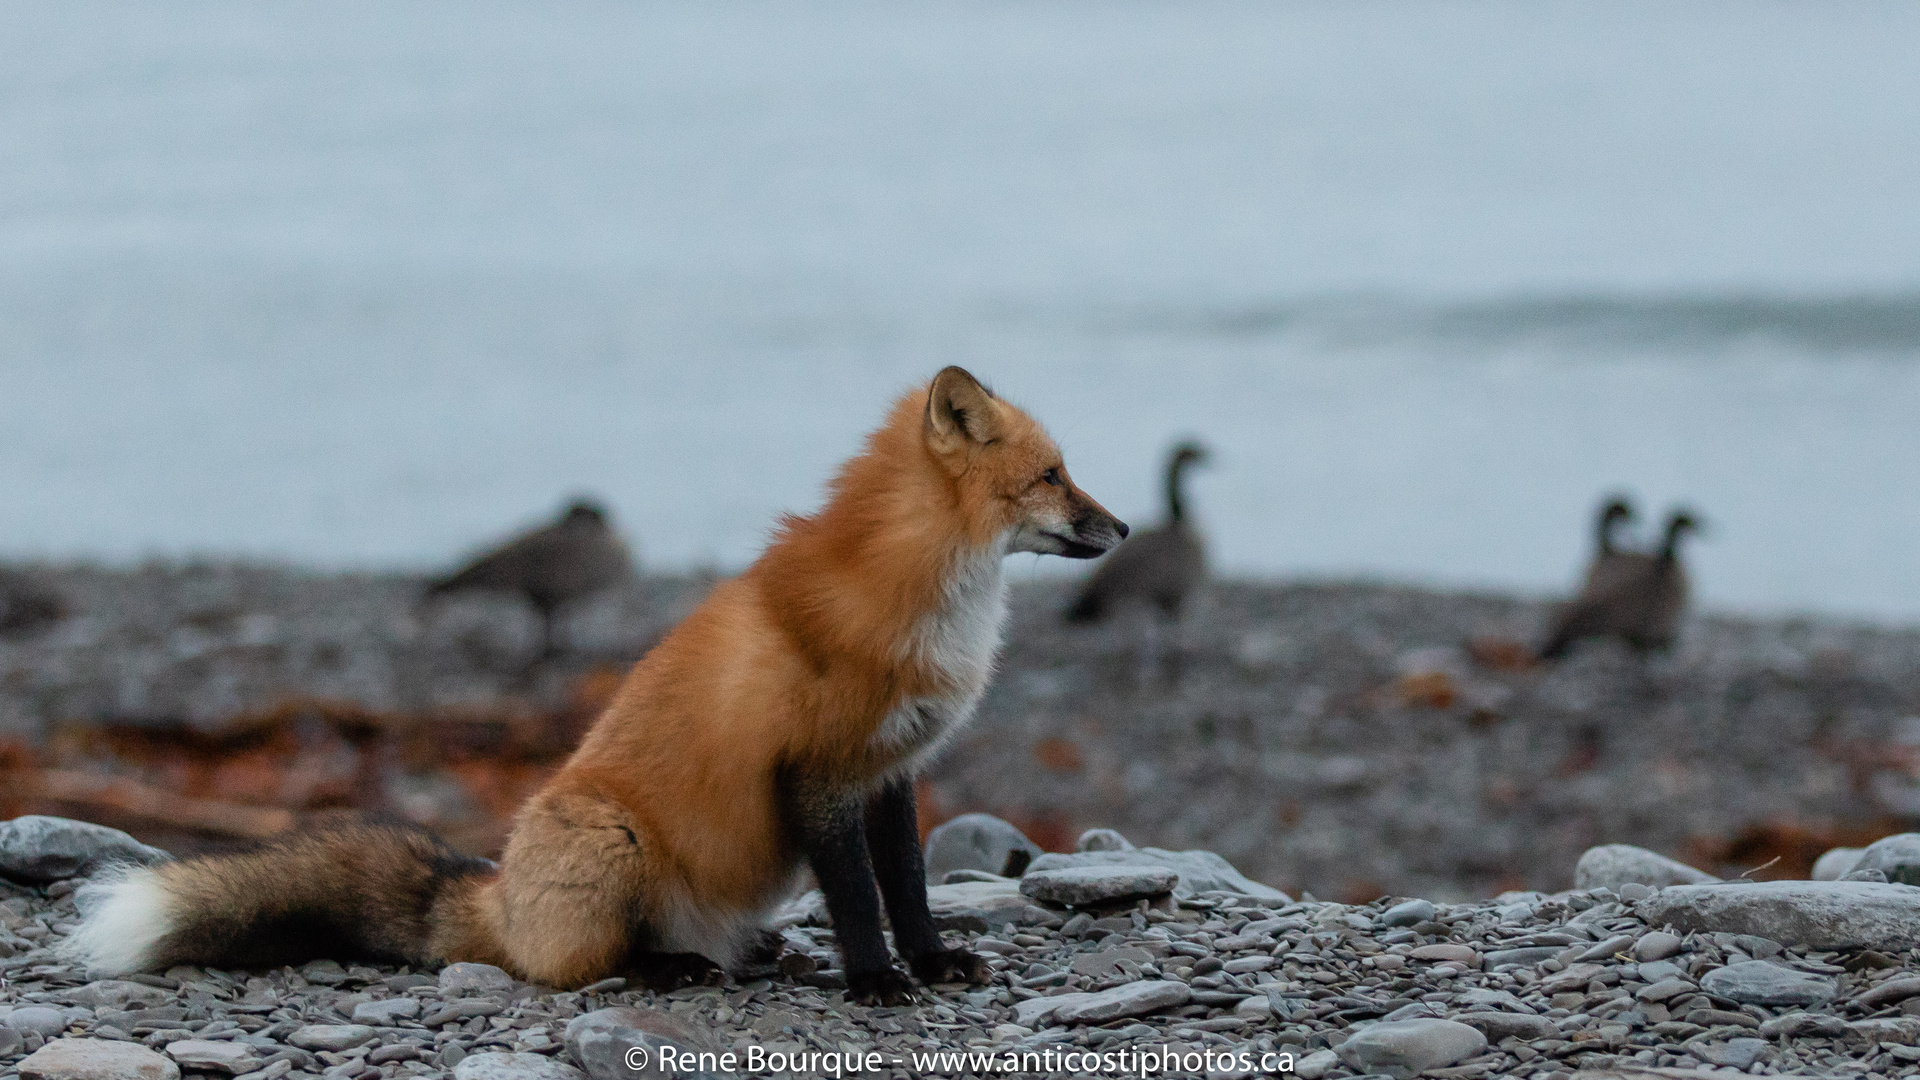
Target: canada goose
{"type": "Point", "coordinates": [1162, 564]}
{"type": "Point", "coordinates": [571, 559]}
{"type": "Point", "coordinates": [1639, 599]}
{"type": "Point", "coordinates": [25, 605]}
{"type": "Point", "coordinates": [1611, 560]}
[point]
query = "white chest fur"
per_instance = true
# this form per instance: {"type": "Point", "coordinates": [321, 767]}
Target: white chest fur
{"type": "Point", "coordinates": [959, 640]}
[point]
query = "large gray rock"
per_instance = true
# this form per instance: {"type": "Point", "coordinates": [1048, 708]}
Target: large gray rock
{"type": "Point", "coordinates": [1133, 999]}
{"type": "Point", "coordinates": [119, 994]}
{"type": "Point", "coordinates": [609, 1044]}
{"type": "Point", "coordinates": [1897, 856]}
{"type": "Point", "coordinates": [1836, 863]}
{"type": "Point", "coordinates": [386, 1012]}
{"type": "Point", "coordinates": [96, 1059]}
{"type": "Point", "coordinates": [978, 842]}
{"type": "Point", "coordinates": [1200, 871]}
{"type": "Point", "coordinates": [494, 1065]}
{"type": "Point", "coordinates": [1756, 982]}
{"type": "Point", "coordinates": [1821, 915]}
{"type": "Point", "coordinates": [38, 848]}
{"type": "Point", "coordinates": [1406, 1048]}
{"type": "Point", "coordinates": [39, 1018]}
{"type": "Point", "coordinates": [1082, 886]}
{"type": "Point", "coordinates": [1610, 866]}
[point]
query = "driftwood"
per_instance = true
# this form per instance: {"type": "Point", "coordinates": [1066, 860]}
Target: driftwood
{"type": "Point", "coordinates": [117, 793]}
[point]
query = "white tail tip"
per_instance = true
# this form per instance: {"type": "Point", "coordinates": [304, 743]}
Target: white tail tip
{"type": "Point", "coordinates": [125, 916]}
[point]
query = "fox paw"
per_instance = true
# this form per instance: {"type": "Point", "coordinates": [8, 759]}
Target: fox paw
{"type": "Point", "coordinates": [766, 949]}
{"type": "Point", "coordinates": [888, 986]}
{"type": "Point", "coordinates": [951, 965]}
{"type": "Point", "coordinates": [666, 972]}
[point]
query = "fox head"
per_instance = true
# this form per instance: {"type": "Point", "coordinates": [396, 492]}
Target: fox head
{"type": "Point", "coordinates": [1010, 476]}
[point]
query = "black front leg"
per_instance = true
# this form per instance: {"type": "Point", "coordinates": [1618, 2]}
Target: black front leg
{"type": "Point", "coordinates": [827, 826]}
{"type": "Point", "coordinates": [893, 834]}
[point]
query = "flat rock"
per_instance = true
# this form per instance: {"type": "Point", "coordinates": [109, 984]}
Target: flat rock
{"type": "Point", "coordinates": [984, 896]}
{"type": "Point", "coordinates": [601, 1040]}
{"type": "Point", "coordinates": [335, 1037]}
{"type": "Point", "coordinates": [1099, 965]}
{"type": "Point", "coordinates": [1082, 886]}
{"type": "Point", "coordinates": [1896, 856]}
{"type": "Point", "coordinates": [385, 1012]}
{"type": "Point", "coordinates": [48, 1022]}
{"type": "Point", "coordinates": [1498, 1025]}
{"type": "Point", "coordinates": [1804, 1025]}
{"type": "Point", "coordinates": [1444, 951]}
{"type": "Point", "coordinates": [1133, 999]}
{"type": "Point", "coordinates": [119, 994]}
{"type": "Point", "coordinates": [40, 848]}
{"type": "Point", "coordinates": [978, 842]}
{"type": "Point", "coordinates": [1031, 1012]}
{"type": "Point", "coordinates": [1200, 871]}
{"type": "Point", "coordinates": [1523, 957]}
{"type": "Point", "coordinates": [1610, 866]}
{"type": "Point", "coordinates": [1824, 915]}
{"type": "Point", "coordinates": [1756, 982]}
{"type": "Point", "coordinates": [1732, 1054]}
{"type": "Point", "coordinates": [1406, 1048]}
{"type": "Point", "coordinates": [213, 1055]}
{"type": "Point", "coordinates": [474, 978]}
{"type": "Point", "coordinates": [1316, 1065]}
{"type": "Point", "coordinates": [494, 1065]}
{"type": "Point", "coordinates": [96, 1059]}
{"type": "Point", "coordinates": [1889, 992]}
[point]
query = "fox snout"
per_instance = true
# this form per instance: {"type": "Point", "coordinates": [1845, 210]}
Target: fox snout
{"type": "Point", "coordinates": [1095, 532]}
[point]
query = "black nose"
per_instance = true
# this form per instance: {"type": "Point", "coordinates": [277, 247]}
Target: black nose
{"type": "Point", "coordinates": [1122, 526]}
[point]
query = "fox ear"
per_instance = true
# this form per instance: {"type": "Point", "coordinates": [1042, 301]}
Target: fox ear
{"type": "Point", "coordinates": [959, 411]}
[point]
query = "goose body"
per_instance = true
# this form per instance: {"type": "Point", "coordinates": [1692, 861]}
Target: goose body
{"type": "Point", "coordinates": [1636, 597]}
{"type": "Point", "coordinates": [573, 558]}
{"type": "Point", "coordinates": [1161, 566]}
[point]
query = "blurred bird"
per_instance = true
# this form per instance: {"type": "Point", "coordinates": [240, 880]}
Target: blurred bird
{"type": "Point", "coordinates": [1637, 597]}
{"type": "Point", "coordinates": [1162, 564]}
{"type": "Point", "coordinates": [569, 560]}
{"type": "Point", "coordinates": [1611, 560]}
{"type": "Point", "coordinates": [25, 606]}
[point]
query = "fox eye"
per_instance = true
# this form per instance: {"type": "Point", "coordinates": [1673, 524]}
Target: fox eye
{"type": "Point", "coordinates": [1052, 476]}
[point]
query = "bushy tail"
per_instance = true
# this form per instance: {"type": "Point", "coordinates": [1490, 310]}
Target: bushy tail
{"type": "Point", "coordinates": [376, 891]}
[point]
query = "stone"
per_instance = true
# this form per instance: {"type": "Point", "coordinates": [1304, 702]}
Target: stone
{"type": "Point", "coordinates": [1607, 949]}
{"type": "Point", "coordinates": [456, 979]}
{"type": "Point", "coordinates": [1031, 1012]}
{"type": "Point", "coordinates": [1407, 913]}
{"type": "Point", "coordinates": [1406, 1048]}
{"type": "Point", "coordinates": [601, 1041]}
{"type": "Point", "coordinates": [1836, 863]}
{"type": "Point", "coordinates": [334, 1037]}
{"type": "Point", "coordinates": [1446, 951]}
{"type": "Point", "coordinates": [10, 1041]}
{"type": "Point", "coordinates": [1896, 856]}
{"type": "Point", "coordinates": [119, 994]}
{"type": "Point", "coordinates": [989, 897]}
{"type": "Point", "coordinates": [96, 1059]}
{"type": "Point", "coordinates": [978, 842]}
{"type": "Point", "coordinates": [212, 1055]}
{"type": "Point", "coordinates": [1756, 982]}
{"type": "Point", "coordinates": [1664, 990]}
{"type": "Point", "coordinates": [1658, 945]}
{"type": "Point", "coordinates": [1200, 871]}
{"type": "Point", "coordinates": [386, 1012]}
{"type": "Point", "coordinates": [1316, 1065]}
{"type": "Point", "coordinates": [1610, 866]}
{"type": "Point", "coordinates": [1106, 962]}
{"type": "Point", "coordinates": [1804, 1025]}
{"type": "Point", "coordinates": [1823, 915]}
{"type": "Point", "coordinates": [1102, 840]}
{"type": "Point", "coordinates": [38, 848]}
{"type": "Point", "coordinates": [48, 1022]}
{"type": "Point", "coordinates": [1133, 999]}
{"type": "Point", "coordinates": [1889, 992]}
{"type": "Point", "coordinates": [1896, 1030]}
{"type": "Point", "coordinates": [1732, 1054]}
{"type": "Point", "coordinates": [1499, 1025]}
{"type": "Point", "coordinates": [1525, 957]}
{"type": "Point", "coordinates": [494, 1065]}
{"type": "Point", "coordinates": [1084, 886]}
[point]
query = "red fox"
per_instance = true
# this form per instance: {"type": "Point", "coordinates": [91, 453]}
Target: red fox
{"type": "Point", "coordinates": [782, 722]}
